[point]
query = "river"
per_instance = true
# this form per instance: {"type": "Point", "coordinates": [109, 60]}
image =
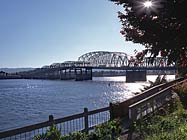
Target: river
{"type": "Point", "coordinates": [25, 102]}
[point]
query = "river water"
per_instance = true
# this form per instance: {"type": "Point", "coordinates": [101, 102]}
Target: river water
{"type": "Point", "coordinates": [25, 102]}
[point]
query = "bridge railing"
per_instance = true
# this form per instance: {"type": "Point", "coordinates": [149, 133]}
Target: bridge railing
{"type": "Point", "coordinates": [79, 122]}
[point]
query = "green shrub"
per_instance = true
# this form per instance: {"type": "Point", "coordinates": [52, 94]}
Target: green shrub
{"type": "Point", "coordinates": [52, 134]}
{"type": "Point", "coordinates": [181, 90]}
{"type": "Point", "coordinates": [75, 136]}
{"type": "Point", "coordinates": [170, 127]}
{"type": "Point", "coordinates": [107, 131]}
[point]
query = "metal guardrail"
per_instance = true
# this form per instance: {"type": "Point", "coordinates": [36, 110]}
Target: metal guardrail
{"type": "Point", "coordinates": [79, 122]}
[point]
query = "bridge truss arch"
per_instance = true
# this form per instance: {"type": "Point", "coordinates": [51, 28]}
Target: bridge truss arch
{"type": "Point", "coordinates": [105, 58]}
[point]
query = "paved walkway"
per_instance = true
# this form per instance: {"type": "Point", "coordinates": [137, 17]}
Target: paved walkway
{"type": "Point", "coordinates": [125, 125]}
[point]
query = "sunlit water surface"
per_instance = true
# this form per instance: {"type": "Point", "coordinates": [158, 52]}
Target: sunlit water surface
{"type": "Point", "coordinates": [24, 102]}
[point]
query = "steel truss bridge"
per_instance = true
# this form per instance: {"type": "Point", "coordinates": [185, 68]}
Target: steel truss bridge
{"type": "Point", "coordinates": [115, 60]}
{"type": "Point", "coordinates": [82, 69]}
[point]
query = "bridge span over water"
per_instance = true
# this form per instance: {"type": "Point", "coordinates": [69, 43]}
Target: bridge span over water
{"type": "Point", "coordinates": [105, 59]}
{"type": "Point", "coordinates": [82, 69]}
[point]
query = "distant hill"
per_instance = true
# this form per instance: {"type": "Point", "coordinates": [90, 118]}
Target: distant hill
{"type": "Point", "coordinates": [13, 70]}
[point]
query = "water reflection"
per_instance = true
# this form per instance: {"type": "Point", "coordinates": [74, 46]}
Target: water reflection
{"type": "Point", "coordinates": [32, 101]}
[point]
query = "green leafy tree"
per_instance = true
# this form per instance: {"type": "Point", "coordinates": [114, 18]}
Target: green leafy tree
{"type": "Point", "coordinates": [159, 25]}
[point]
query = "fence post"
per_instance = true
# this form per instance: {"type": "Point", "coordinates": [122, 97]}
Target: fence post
{"type": "Point", "coordinates": [111, 111]}
{"type": "Point", "coordinates": [86, 125]}
{"type": "Point", "coordinates": [51, 120]}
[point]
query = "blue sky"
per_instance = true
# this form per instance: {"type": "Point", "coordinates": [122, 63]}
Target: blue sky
{"type": "Point", "coordinates": [34, 33]}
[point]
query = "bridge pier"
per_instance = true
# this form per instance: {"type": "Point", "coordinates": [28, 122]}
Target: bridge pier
{"type": "Point", "coordinates": [139, 75]}
{"type": "Point", "coordinates": [67, 74]}
{"type": "Point", "coordinates": [79, 74]}
{"type": "Point", "coordinates": [83, 74]}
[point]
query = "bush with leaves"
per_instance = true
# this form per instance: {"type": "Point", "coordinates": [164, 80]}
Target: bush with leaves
{"type": "Point", "coordinates": [52, 134]}
{"type": "Point", "coordinates": [159, 80]}
{"type": "Point", "coordinates": [181, 90]}
{"type": "Point", "coordinates": [107, 131]}
{"type": "Point", "coordinates": [76, 136]}
{"type": "Point", "coordinates": [172, 126]}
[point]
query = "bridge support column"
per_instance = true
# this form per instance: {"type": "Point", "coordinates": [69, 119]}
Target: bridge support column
{"type": "Point", "coordinates": [67, 74]}
{"type": "Point", "coordinates": [83, 74]}
{"type": "Point", "coordinates": [63, 75]}
{"type": "Point", "coordinates": [132, 76]}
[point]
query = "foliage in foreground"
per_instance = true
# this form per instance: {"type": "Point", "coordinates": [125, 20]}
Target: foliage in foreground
{"type": "Point", "coordinates": [159, 80]}
{"type": "Point", "coordinates": [108, 131]}
{"type": "Point", "coordinates": [51, 134]}
{"type": "Point", "coordinates": [161, 28]}
{"type": "Point", "coordinates": [181, 90]}
{"type": "Point", "coordinates": [171, 125]}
